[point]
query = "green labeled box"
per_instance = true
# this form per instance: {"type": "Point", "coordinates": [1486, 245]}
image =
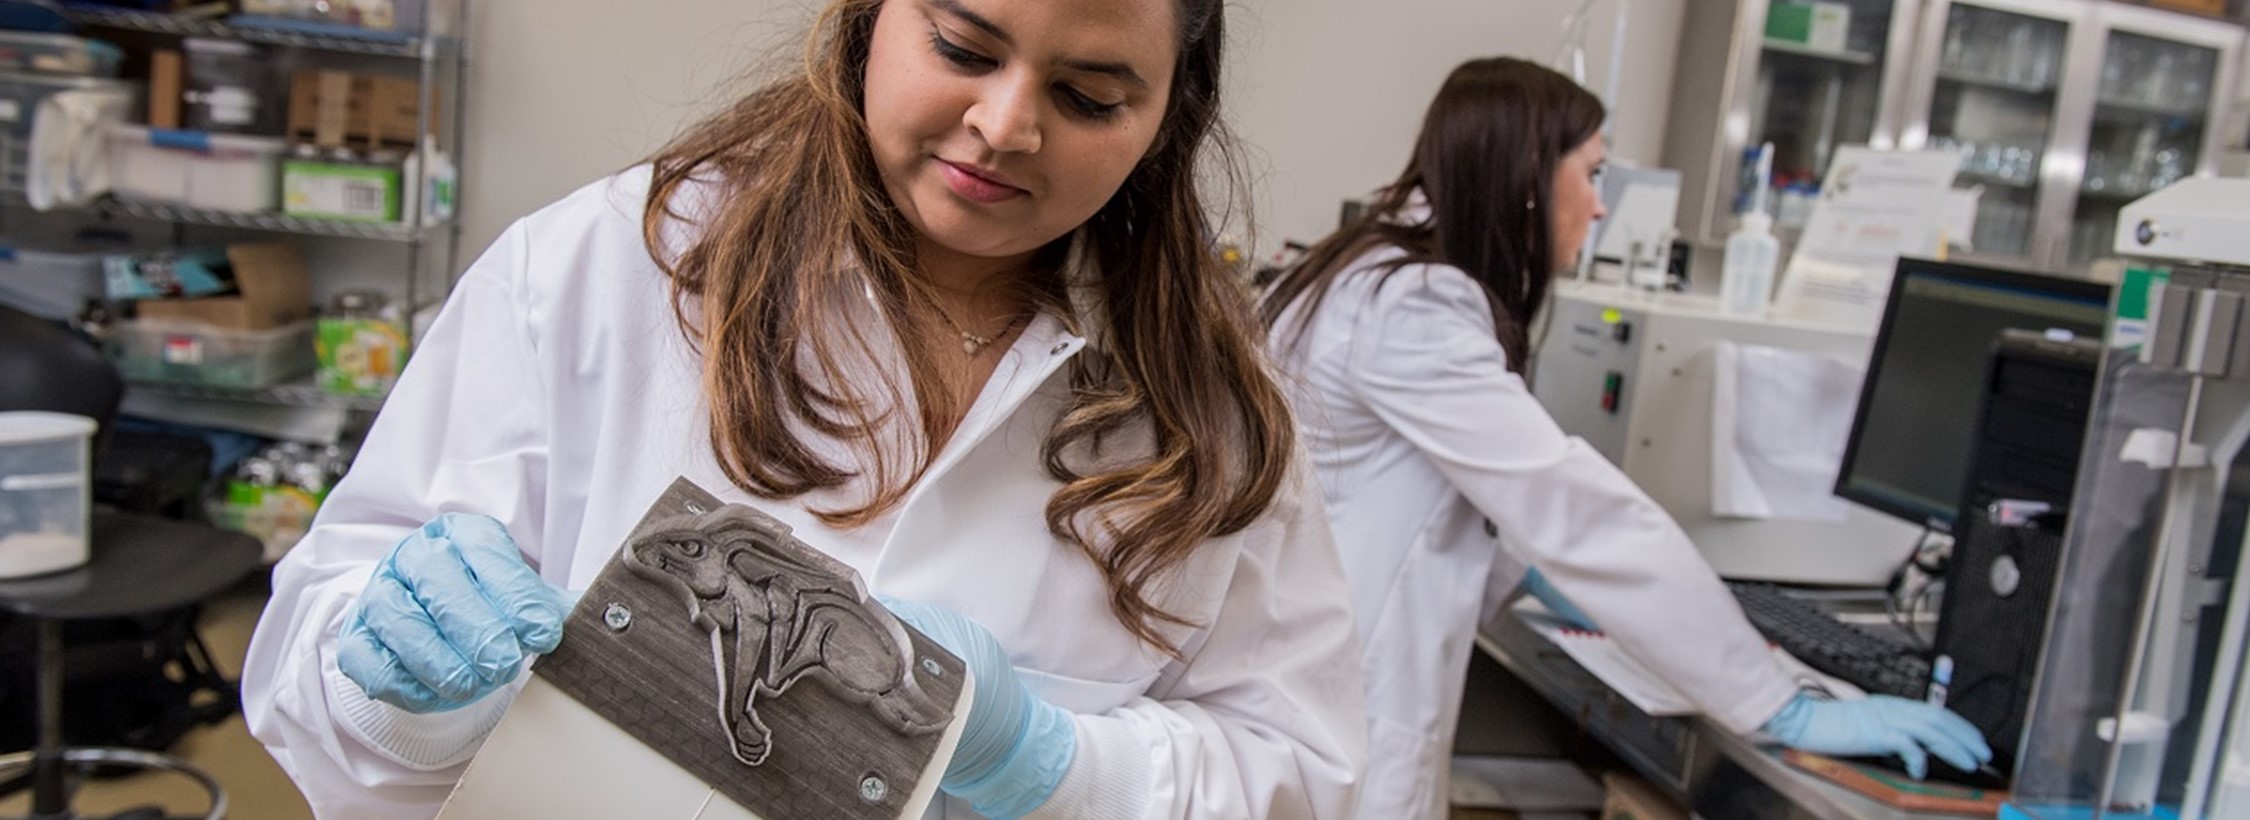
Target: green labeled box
{"type": "Point", "coordinates": [1817, 26]}
{"type": "Point", "coordinates": [346, 191]}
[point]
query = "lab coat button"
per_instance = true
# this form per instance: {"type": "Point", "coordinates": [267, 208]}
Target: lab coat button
{"type": "Point", "coordinates": [1490, 529]}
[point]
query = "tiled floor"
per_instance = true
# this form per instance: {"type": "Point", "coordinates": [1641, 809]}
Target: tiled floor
{"type": "Point", "coordinates": [255, 786]}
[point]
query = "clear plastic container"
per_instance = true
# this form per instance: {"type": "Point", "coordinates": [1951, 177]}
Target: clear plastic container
{"type": "Point", "coordinates": [57, 54]}
{"type": "Point", "coordinates": [220, 172]}
{"type": "Point", "coordinates": [43, 492]}
{"type": "Point", "coordinates": [193, 353]}
{"type": "Point", "coordinates": [49, 284]}
{"type": "Point", "coordinates": [233, 88]}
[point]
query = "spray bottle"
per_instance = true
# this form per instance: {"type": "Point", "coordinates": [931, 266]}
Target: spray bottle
{"type": "Point", "coordinates": [1752, 252]}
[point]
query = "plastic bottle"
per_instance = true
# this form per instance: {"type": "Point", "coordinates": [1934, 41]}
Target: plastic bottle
{"type": "Point", "coordinates": [1746, 282]}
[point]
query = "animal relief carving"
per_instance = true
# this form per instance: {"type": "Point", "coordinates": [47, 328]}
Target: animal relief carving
{"type": "Point", "coordinates": [780, 614]}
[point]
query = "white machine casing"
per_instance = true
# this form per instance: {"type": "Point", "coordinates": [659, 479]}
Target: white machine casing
{"type": "Point", "coordinates": [1657, 428]}
{"type": "Point", "coordinates": [2195, 220]}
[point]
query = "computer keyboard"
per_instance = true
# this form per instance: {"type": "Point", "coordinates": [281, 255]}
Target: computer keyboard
{"type": "Point", "coordinates": [1879, 664]}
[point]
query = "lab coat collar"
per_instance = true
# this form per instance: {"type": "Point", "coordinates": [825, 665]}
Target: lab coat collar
{"type": "Point", "coordinates": [1047, 343]}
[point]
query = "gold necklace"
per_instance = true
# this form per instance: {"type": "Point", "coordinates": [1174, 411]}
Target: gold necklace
{"type": "Point", "coordinates": [974, 344]}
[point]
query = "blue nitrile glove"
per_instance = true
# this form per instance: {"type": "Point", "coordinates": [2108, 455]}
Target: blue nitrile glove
{"type": "Point", "coordinates": [449, 617]}
{"type": "Point", "coordinates": [1536, 585]}
{"type": "Point", "coordinates": [1881, 725]}
{"type": "Point", "coordinates": [1016, 747]}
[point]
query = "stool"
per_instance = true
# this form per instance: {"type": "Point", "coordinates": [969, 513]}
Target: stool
{"type": "Point", "coordinates": [139, 565]}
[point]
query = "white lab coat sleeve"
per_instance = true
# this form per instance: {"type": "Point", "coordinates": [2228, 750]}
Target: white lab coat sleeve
{"type": "Point", "coordinates": [462, 431]}
{"type": "Point", "coordinates": [1424, 358]}
{"type": "Point", "coordinates": [1263, 717]}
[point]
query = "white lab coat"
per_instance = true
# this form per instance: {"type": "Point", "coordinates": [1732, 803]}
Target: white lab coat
{"type": "Point", "coordinates": [1446, 481]}
{"type": "Point", "coordinates": [557, 394]}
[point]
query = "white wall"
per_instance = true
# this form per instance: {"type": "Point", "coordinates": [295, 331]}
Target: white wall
{"type": "Point", "coordinates": [562, 92]}
{"type": "Point", "coordinates": [1328, 93]}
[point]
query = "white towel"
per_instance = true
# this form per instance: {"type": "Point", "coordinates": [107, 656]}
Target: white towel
{"type": "Point", "coordinates": [1779, 420]}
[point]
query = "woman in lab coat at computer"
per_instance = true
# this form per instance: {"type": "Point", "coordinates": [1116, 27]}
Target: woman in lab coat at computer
{"type": "Point", "coordinates": [1405, 334]}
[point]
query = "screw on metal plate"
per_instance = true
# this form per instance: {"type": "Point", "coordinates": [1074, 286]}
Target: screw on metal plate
{"type": "Point", "coordinates": [618, 617]}
{"type": "Point", "coordinates": [930, 665]}
{"type": "Point", "coordinates": [872, 789]}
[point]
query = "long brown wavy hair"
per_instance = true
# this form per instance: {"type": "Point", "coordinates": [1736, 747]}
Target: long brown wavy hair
{"type": "Point", "coordinates": [1488, 148]}
{"type": "Point", "coordinates": [800, 220]}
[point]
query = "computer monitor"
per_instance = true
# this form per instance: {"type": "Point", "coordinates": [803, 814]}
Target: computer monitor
{"type": "Point", "coordinates": [1912, 437]}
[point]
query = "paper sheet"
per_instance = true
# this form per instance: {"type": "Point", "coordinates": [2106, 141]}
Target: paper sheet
{"type": "Point", "coordinates": [1647, 692]}
{"type": "Point", "coordinates": [1779, 422]}
{"type": "Point", "coordinates": [1874, 206]}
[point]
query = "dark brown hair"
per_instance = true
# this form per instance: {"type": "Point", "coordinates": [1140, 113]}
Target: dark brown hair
{"type": "Point", "coordinates": [801, 220]}
{"type": "Point", "coordinates": [1488, 149]}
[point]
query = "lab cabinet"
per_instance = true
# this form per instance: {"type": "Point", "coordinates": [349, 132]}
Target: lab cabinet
{"type": "Point", "coordinates": [2061, 110]}
{"type": "Point", "coordinates": [2064, 111]}
{"type": "Point", "coordinates": [2160, 104]}
{"type": "Point", "coordinates": [1997, 89]}
{"type": "Point", "coordinates": [1805, 98]}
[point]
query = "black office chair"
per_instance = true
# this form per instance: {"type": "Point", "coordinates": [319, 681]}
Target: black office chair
{"type": "Point", "coordinates": [140, 566]}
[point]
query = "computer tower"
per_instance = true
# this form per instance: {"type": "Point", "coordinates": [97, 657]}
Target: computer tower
{"type": "Point", "coordinates": [2008, 536]}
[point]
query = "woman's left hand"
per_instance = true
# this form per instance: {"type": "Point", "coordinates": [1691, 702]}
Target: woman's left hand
{"type": "Point", "coordinates": [1016, 747]}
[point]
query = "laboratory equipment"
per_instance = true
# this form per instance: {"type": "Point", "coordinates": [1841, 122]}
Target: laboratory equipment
{"type": "Point", "coordinates": [1633, 243]}
{"type": "Point", "coordinates": [2138, 709]}
{"type": "Point", "coordinates": [1633, 374]}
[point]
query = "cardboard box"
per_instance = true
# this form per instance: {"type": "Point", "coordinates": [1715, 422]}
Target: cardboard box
{"type": "Point", "coordinates": [1817, 26]}
{"type": "Point", "coordinates": [377, 110]}
{"type": "Point", "coordinates": [274, 291]}
{"type": "Point", "coordinates": [1631, 798]}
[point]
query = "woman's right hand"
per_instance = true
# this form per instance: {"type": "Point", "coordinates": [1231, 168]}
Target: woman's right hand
{"type": "Point", "coordinates": [449, 617]}
{"type": "Point", "coordinates": [1881, 725]}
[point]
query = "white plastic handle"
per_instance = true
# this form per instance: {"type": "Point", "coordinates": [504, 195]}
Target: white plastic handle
{"type": "Point", "coordinates": [49, 481]}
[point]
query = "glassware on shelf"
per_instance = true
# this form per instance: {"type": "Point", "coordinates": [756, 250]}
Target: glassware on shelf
{"type": "Point", "coordinates": [2130, 59]}
{"type": "Point", "coordinates": [2047, 56]}
{"type": "Point", "coordinates": [2156, 85]}
{"type": "Point", "coordinates": [2020, 54]}
{"type": "Point", "coordinates": [2195, 77]}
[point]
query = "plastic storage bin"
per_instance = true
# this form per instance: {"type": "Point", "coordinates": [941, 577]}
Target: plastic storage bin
{"type": "Point", "coordinates": [49, 284]}
{"type": "Point", "coordinates": [57, 54]}
{"type": "Point", "coordinates": [221, 172]}
{"type": "Point", "coordinates": [43, 492]}
{"type": "Point", "coordinates": [232, 88]}
{"type": "Point", "coordinates": [193, 353]}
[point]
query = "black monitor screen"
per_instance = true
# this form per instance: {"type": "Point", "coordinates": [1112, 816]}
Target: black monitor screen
{"type": "Point", "coordinates": [1912, 438]}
